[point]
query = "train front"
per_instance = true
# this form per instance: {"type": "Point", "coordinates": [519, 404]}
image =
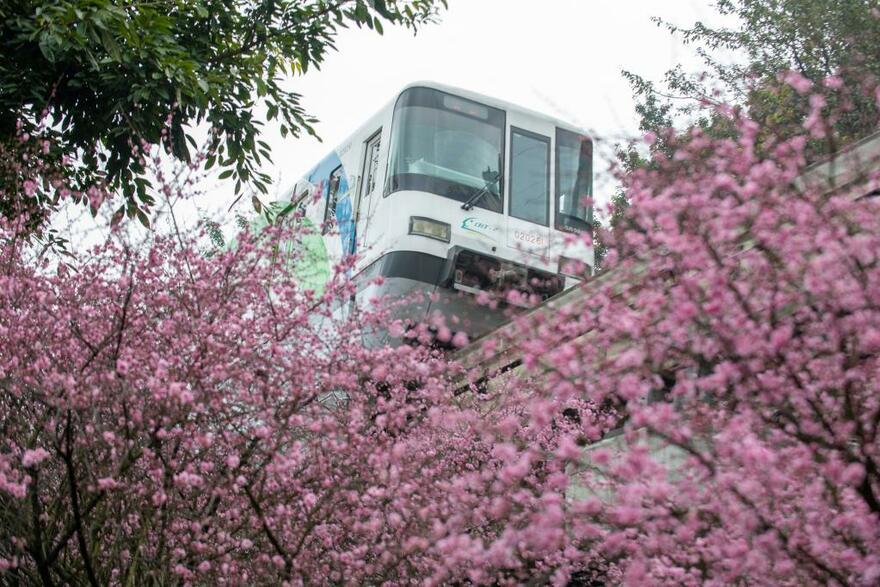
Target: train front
{"type": "Point", "coordinates": [484, 206]}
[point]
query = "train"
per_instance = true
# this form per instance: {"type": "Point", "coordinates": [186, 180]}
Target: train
{"type": "Point", "coordinates": [454, 200]}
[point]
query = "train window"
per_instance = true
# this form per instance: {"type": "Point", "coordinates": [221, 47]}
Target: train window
{"type": "Point", "coordinates": [574, 181]}
{"type": "Point", "coordinates": [448, 146]}
{"type": "Point", "coordinates": [332, 196]}
{"type": "Point", "coordinates": [300, 204]}
{"type": "Point", "coordinates": [371, 168]}
{"type": "Point", "coordinates": [529, 176]}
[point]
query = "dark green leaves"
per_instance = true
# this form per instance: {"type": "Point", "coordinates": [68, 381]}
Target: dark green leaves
{"type": "Point", "coordinates": [113, 74]}
{"type": "Point", "coordinates": [818, 38]}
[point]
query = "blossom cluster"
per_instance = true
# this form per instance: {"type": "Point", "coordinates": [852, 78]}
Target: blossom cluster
{"type": "Point", "coordinates": [705, 411]}
{"type": "Point", "coordinates": [734, 349]}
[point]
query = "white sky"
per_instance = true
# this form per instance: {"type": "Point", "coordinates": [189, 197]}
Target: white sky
{"type": "Point", "coordinates": [562, 57]}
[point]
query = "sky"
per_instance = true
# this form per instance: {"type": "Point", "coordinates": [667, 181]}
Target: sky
{"type": "Point", "coordinates": [560, 57]}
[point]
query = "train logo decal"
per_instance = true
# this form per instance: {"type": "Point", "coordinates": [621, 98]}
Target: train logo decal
{"type": "Point", "coordinates": [481, 227]}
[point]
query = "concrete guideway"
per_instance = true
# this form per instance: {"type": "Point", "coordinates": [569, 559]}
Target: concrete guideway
{"type": "Point", "coordinates": [491, 359]}
{"type": "Point", "coordinates": [837, 172]}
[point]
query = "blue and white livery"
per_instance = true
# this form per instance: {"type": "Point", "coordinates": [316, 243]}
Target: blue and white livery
{"type": "Point", "coordinates": [450, 193]}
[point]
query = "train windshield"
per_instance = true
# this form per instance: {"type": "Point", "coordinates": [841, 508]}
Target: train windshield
{"type": "Point", "coordinates": [574, 181]}
{"type": "Point", "coordinates": [448, 146]}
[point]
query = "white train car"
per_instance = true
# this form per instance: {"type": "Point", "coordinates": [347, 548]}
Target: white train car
{"type": "Point", "coordinates": [450, 193]}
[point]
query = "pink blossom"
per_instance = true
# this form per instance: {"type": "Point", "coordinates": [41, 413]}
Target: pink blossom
{"type": "Point", "coordinates": [107, 483]}
{"type": "Point", "coordinates": [797, 81]}
{"type": "Point", "coordinates": [223, 425]}
{"type": "Point", "coordinates": [568, 450]}
{"type": "Point", "coordinates": [30, 187]}
{"type": "Point", "coordinates": [34, 457]}
{"type": "Point", "coordinates": [95, 196]}
{"type": "Point", "coordinates": [835, 82]}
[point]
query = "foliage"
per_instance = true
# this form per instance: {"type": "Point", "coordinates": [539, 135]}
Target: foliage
{"type": "Point", "coordinates": [822, 40]}
{"type": "Point", "coordinates": [830, 48]}
{"type": "Point", "coordinates": [706, 412]}
{"type": "Point", "coordinates": [170, 417]}
{"type": "Point", "coordinates": [601, 232]}
{"type": "Point", "coordinates": [109, 77]}
{"type": "Point", "coordinates": [735, 346]}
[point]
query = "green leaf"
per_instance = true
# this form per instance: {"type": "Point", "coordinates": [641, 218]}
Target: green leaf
{"type": "Point", "coordinates": [286, 210]}
{"type": "Point", "coordinates": [45, 45]}
{"type": "Point", "coordinates": [118, 216]}
{"type": "Point", "coordinates": [382, 9]}
{"type": "Point", "coordinates": [124, 65]}
{"type": "Point", "coordinates": [110, 45]}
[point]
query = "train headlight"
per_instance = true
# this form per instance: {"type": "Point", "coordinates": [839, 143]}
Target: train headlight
{"type": "Point", "coordinates": [435, 229]}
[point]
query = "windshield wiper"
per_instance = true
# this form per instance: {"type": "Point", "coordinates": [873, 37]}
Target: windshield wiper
{"type": "Point", "coordinates": [490, 180]}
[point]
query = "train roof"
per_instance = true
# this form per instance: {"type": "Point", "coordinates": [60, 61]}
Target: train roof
{"type": "Point", "coordinates": [370, 122]}
{"type": "Point", "coordinates": [491, 101]}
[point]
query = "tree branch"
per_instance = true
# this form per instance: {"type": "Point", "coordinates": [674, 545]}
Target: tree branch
{"type": "Point", "coordinates": [288, 565]}
{"type": "Point", "coordinates": [67, 455]}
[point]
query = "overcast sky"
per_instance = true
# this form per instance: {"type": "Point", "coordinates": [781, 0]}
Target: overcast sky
{"type": "Point", "coordinates": [561, 57]}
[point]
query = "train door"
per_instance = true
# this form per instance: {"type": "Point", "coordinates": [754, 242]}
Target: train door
{"type": "Point", "coordinates": [367, 192]}
{"type": "Point", "coordinates": [528, 189]}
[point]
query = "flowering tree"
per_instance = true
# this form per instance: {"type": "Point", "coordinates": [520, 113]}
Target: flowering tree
{"type": "Point", "coordinates": [172, 417]}
{"type": "Point", "coordinates": [735, 347]}
{"type": "Point", "coordinates": [704, 412]}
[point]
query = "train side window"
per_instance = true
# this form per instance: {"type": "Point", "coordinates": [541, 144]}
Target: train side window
{"type": "Point", "coordinates": [371, 170]}
{"type": "Point", "coordinates": [332, 195]}
{"type": "Point", "coordinates": [301, 203]}
{"type": "Point", "coordinates": [529, 176]}
{"type": "Point", "coordinates": [574, 182]}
